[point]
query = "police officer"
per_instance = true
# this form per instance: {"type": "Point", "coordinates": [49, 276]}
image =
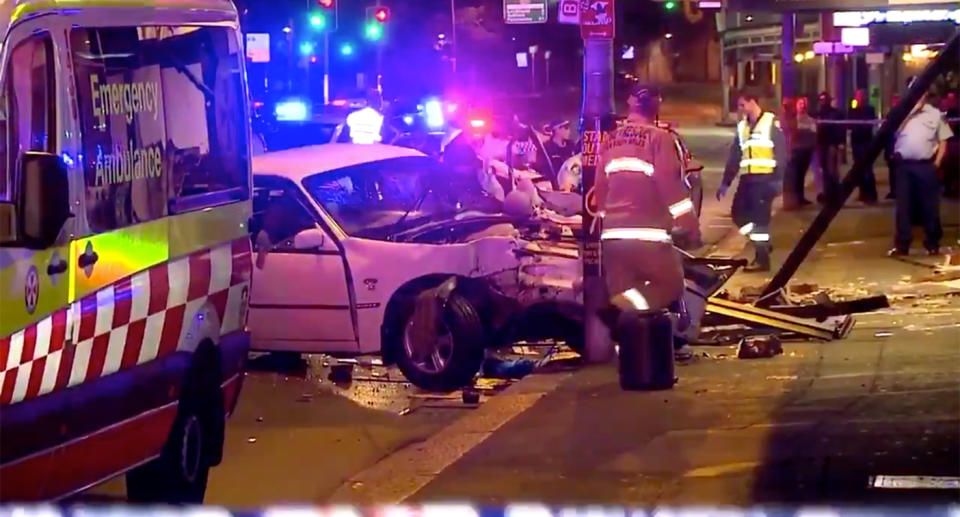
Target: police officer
{"type": "Point", "coordinates": [643, 202]}
{"type": "Point", "coordinates": [918, 150]}
{"type": "Point", "coordinates": [759, 155]}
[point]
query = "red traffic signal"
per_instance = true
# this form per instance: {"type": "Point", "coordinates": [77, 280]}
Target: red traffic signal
{"type": "Point", "coordinates": [326, 4]}
{"type": "Point", "coordinates": [381, 14]}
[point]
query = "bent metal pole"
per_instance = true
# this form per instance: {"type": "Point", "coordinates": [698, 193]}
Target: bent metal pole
{"type": "Point", "coordinates": [947, 60]}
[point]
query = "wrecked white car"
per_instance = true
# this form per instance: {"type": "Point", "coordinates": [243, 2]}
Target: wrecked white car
{"type": "Point", "coordinates": [366, 249]}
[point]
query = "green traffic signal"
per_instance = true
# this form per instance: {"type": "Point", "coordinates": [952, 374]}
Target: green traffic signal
{"type": "Point", "coordinates": [318, 21]}
{"type": "Point", "coordinates": [374, 31]}
{"type": "Point", "coordinates": [670, 5]}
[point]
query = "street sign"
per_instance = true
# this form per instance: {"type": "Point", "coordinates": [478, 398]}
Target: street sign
{"type": "Point", "coordinates": [523, 12]}
{"type": "Point", "coordinates": [568, 11]}
{"type": "Point", "coordinates": [597, 19]}
{"type": "Point", "coordinates": [258, 47]}
{"type": "Point", "coordinates": [831, 47]}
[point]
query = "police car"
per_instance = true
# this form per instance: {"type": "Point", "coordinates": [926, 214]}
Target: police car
{"type": "Point", "coordinates": [124, 257]}
{"type": "Point", "coordinates": [376, 249]}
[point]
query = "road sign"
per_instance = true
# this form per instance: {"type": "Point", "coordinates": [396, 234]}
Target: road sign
{"type": "Point", "coordinates": [258, 47]}
{"type": "Point", "coordinates": [597, 19]}
{"type": "Point", "coordinates": [569, 12]}
{"type": "Point", "coordinates": [523, 12]}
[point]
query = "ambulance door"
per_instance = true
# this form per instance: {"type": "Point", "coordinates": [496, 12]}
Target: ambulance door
{"type": "Point", "coordinates": [300, 301]}
{"type": "Point", "coordinates": [34, 343]}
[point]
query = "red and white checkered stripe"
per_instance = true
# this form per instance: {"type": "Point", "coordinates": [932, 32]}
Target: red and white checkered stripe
{"type": "Point", "coordinates": [131, 322]}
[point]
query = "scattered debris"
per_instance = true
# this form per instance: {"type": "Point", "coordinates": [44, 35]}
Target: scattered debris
{"type": "Point", "coordinates": [759, 347]}
{"type": "Point", "coordinates": [341, 373]}
{"type": "Point", "coordinates": [470, 396]}
{"type": "Point", "coordinates": [405, 411]}
{"type": "Point", "coordinates": [802, 289]}
{"type": "Point", "coordinates": [503, 369]}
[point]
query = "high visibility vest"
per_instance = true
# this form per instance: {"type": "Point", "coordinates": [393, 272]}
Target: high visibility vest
{"type": "Point", "coordinates": [756, 146]}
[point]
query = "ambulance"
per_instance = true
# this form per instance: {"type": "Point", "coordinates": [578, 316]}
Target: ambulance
{"type": "Point", "coordinates": [125, 258]}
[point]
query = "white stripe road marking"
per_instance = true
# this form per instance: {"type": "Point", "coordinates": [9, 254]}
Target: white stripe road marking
{"type": "Point", "coordinates": [151, 338]}
{"type": "Point", "coordinates": [23, 379]}
{"type": "Point", "coordinates": [118, 338]}
{"type": "Point", "coordinates": [44, 333]}
{"type": "Point", "coordinates": [50, 371]}
{"type": "Point", "coordinates": [402, 474]}
{"type": "Point", "coordinates": [178, 273]}
{"type": "Point", "coordinates": [16, 349]}
{"type": "Point", "coordinates": [221, 265]}
{"type": "Point", "coordinates": [104, 311]}
{"type": "Point", "coordinates": [916, 482]}
{"type": "Point", "coordinates": [81, 358]}
{"type": "Point", "coordinates": [140, 295]}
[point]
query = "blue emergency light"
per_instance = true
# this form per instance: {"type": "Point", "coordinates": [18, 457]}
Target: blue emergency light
{"type": "Point", "coordinates": [434, 111]}
{"type": "Point", "coordinates": [292, 110]}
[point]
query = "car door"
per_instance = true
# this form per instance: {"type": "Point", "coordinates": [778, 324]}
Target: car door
{"type": "Point", "coordinates": [300, 299]}
{"type": "Point", "coordinates": [34, 335]}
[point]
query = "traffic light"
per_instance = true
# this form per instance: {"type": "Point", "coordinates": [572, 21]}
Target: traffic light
{"type": "Point", "coordinates": [374, 31]}
{"type": "Point", "coordinates": [306, 48]}
{"type": "Point", "coordinates": [326, 4]}
{"type": "Point", "coordinates": [346, 49]}
{"type": "Point", "coordinates": [381, 14]}
{"type": "Point", "coordinates": [318, 21]}
{"type": "Point", "coordinates": [670, 5]}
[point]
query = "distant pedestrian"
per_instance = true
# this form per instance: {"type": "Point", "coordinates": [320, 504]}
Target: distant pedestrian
{"type": "Point", "coordinates": [918, 150]}
{"type": "Point", "coordinates": [861, 134]}
{"type": "Point", "coordinates": [558, 149]}
{"type": "Point", "coordinates": [950, 168]}
{"type": "Point", "coordinates": [831, 145]}
{"type": "Point", "coordinates": [759, 155]}
{"type": "Point", "coordinates": [802, 145]}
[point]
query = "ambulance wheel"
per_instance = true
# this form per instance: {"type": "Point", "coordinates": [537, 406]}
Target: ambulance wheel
{"type": "Point", "coordinates": [195, 443]}
{"type": "Point", "coordinates": [455, 357]}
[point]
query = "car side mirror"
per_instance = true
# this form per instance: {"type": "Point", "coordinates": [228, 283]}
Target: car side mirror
{"type": "Point", "coordinates": [310, 240]}
{"type": "Point", "coordinates": [45, 201]}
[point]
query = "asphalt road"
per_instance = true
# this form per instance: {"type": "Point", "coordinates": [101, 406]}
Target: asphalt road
{"type": "Point", "coordinates": [812, 425]}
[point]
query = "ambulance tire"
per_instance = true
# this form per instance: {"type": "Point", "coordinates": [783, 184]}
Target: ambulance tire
{"type": "Point", "coordinates": [195, 443]}
{"type": "Point", "coordinates": [463, 359]}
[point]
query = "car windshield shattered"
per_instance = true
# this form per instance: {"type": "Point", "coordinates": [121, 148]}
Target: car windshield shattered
{"type": "Point", "coordinates": [377, 199]}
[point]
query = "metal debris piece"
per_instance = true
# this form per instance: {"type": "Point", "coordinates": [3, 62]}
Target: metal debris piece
{"type": "Point", "coordinates": [405, 411]}
{"type": "Point", "coordinates": [759, 347]}
{"type": "Point", "coordinates": [252, 439]}
{"type": "Point", "coordinates": [883, 333]}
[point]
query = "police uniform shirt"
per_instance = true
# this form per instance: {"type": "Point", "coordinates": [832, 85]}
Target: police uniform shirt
{"type": "Point", "coordinates": [921, 133]}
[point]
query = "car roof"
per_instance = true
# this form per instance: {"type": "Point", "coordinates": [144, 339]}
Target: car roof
{"type": "Point", "coordinates": [14, 11]}
{"type": "Point", "coordinates": [296, 164]}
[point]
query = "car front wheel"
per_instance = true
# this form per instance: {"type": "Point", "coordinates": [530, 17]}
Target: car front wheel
{"type": "Point", "coordinates": [456, 354]}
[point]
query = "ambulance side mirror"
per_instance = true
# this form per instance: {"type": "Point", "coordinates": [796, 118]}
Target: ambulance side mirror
{"type": "Point", "coordinates": [45, 199]}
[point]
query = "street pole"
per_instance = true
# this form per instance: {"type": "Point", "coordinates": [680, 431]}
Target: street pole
{"type": "Point", "coordinates": [788, 74]}
{"type": "Point", "coordinates": [597, 118]}
{"type": "Point", "coordinates": [453, 34]}
{"type": "Point", "coordinates": [326, 67]}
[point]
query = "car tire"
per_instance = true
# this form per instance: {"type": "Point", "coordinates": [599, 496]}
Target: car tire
{"type": "Point", "coordinates": [179, 474]}
{"type": "Point", "coordinates": [464, 357]}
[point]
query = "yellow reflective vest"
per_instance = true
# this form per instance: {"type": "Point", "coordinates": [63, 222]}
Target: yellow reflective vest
{"type": "Point", "coordinates": [756, 145]}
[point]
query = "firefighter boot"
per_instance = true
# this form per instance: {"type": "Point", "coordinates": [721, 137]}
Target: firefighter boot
{"type": "Point", "coordinates": [646, 351]}
{"type": "Point", "coordinates": [761, 261]}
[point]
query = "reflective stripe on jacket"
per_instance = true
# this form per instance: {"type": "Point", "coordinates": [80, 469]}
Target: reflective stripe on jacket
{"type": "Point", "coordinates": [639, 186]}
{"type": "Point", "coordinates": [756, 146]}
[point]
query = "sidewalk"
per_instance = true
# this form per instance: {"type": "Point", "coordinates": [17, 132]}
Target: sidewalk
{"type": "Point", "coordinates": [810, 426]}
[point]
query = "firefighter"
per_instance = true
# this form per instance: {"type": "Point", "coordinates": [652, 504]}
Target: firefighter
{"type": "Point", "coordinates": [759, 155]}
{"type": "Point", "coordinates": [644, 206]}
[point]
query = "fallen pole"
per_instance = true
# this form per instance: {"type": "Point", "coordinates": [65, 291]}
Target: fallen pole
{"type": "Point", "coordinates": [947, 60]}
